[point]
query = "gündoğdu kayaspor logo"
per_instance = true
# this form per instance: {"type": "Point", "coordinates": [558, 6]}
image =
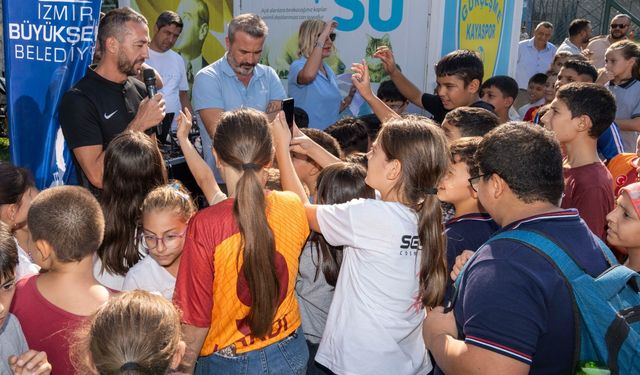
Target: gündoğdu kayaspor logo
{"type": "Point", "coordinates": [481, 23]}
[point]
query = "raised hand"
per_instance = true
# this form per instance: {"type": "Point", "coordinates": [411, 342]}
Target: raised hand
{"type": "Point", "coordinates": [360, 79]}
{"type": "Point", "coordinates": [329, 27]}
{"type": "Point", "coordinates": [185, 121]}
{"type": "Point", "coordinates": [385, 54]}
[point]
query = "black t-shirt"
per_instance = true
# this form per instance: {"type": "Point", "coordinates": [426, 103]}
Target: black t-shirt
{"type": "Point", "coordinates": [96, 110]}
{"type": "Point", "coordinates": [433, 104]}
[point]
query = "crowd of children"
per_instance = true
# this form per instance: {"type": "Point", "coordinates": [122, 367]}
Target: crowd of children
{"type": "Point", "coordinates": [381, 245]}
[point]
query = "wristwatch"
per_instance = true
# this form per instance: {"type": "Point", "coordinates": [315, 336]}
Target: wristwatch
{"type": "Point", "coordinates": [320, 44]}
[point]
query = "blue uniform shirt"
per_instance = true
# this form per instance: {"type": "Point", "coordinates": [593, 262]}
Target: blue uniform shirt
{"type": "Point", "coordinates": [513, 302]}
{"type": "Point", "coordinates": [217, 87]}
{"type": "Point", "coordinates": [467, 232]}
{"type": "Point", "coordinates": [320, 99]}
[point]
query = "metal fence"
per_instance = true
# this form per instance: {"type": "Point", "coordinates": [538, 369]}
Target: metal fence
{"type": "Point", "coordinates": [561, 12]}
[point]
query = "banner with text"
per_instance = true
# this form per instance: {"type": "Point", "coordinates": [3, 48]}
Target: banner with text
{"type": "Point", "coordinates": [48, 45]}
{"type": "Point", "coordinates": [362, 27]}
{"type": "Point", "coordinates": [484, 26]}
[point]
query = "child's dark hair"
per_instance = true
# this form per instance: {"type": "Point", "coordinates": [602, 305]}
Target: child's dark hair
{"type": "Point", "coordinates": [420, 146]}
{"type": "Point", "coordinates": [300, 117]}
{"type": "Point", "coordinates": [351, 133]}
{"type": "Point", "coordinates": [472, 121]}
{"type": "Point", "coordinates": [582, 68]}
{"type": "Point", "coordinates": [591, 100]}
{"type": "Point", "coordinates": [358, 158]}
{"type": "Point", "coordinates": [507, 85]}
{"type": "Point", "coordinates": [538, 79]}
{"type": "Point", "coordinates": [323, 139]}
{"type": "Point", "coordinates": [14, 182]}
{"type": "Point", "coordinates": [70, 219]}
{"type": "Point", "coordinates": [243, 141]}
{"type": "Point", "coordinates": [8, 254]}
{"type": "Point", "coordinates": [133, 166]}
{"type": "Point", "coordinates": [527, 158]}
{"type": "Point", "coordinates": [173, 197]}
{"type": "Point", "coordinates": [388, 91]}
{"type": "Point", "coordinates": [629, 50]}
{"type": "Point", "coordinates": [463, 151]}
{"type": "Point", "coordinates": [464, 64]}
{"type": "Point", "coordinates": [372, 122]}
{"type": "Point", "coordinates": [134, 333]}
{"type": "Point", "coordinates": [337, 183]}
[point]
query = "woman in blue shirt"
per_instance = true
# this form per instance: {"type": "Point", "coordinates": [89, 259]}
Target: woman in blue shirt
{"type": "Point", "coordinates": [312, 83]}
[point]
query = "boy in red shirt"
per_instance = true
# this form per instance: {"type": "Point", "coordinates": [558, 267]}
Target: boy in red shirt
{"type": "Point", "coordinates": [67, 227]}
{"type": "Point", "coordinates": [579, 114]}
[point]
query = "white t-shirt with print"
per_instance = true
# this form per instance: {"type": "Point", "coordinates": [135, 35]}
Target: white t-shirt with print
{"type": "Point", "coordinates": [174, 78]}
{"type": "Point", "coordinates": [150, 276]}
{"type": "Point", "coordinates": [375, 323]}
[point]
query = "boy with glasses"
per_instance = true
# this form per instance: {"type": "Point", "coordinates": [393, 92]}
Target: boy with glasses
{"type": "Point", "coordinates": [392, 97]}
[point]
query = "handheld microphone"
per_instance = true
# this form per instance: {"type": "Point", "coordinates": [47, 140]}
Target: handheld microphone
{"type": "Point", "coordinates": [149, 76]}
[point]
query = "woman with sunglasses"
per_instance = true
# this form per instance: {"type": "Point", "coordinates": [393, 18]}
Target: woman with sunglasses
{"type": "Point", "coordinates": [312, 83]}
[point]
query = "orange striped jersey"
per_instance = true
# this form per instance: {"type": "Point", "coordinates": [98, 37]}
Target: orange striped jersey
{"type": "Point", "coordinates": [211, 289]}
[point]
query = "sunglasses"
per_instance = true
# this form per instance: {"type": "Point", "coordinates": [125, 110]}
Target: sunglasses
{"type": "Point", "coordinates": [618, 26]}
{"type": "Point", "coordinates": [332, 36]}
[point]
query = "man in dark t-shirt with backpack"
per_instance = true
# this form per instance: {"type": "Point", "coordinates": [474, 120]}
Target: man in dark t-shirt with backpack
{"type": "Point", "coordinates": [514, 312]}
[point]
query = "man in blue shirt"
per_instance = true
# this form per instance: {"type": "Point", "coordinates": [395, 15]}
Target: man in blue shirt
{"type": "Point", "coordinates": [514, 312]}
{"type": "Point", "coordinates": [236, 80]}
{"type": "Point", "coordinates": [534, 56]}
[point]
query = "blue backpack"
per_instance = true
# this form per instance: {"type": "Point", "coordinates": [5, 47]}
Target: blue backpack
{"type": "Point", "coordinates": [606, 308]}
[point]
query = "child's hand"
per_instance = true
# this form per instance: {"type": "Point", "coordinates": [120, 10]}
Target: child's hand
{"type": "Point", "coordinates": [280, 131]}
{"type": "Point", "coordinates": [185, 122]}
{"type": "Point", "coordinates": [31, 362]}
{"type": "Point", "coordinates": [385, 54]}
{"type": "Point", "coordinates": [460, 262]}
{"type": "Point", "coordinates": [360, 79]}
{"type": "Point", "coordinates": [301, 144]}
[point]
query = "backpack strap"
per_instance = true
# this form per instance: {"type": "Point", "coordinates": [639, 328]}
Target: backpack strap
{"type": "Point", "coordinates": [566, 265]}
{"type": "Point", "coordinates": [450, 304]}
{"type": "Point", "coordinates": [608, 254]}
{"type": "Point", "coordinates": [563, 263]}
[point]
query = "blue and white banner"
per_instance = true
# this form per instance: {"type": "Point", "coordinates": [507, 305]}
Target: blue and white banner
{"type": "Point", "coordinates": [48, 46]}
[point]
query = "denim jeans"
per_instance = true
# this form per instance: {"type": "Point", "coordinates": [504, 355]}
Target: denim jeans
{"type": "Point", "coordinates": [287, 356]}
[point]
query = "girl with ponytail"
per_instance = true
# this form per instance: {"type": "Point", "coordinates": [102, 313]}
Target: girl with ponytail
{"type": "Point", "coordinates": [393, 261]}
{"type": "Point", "coordinates": [235, 285]}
